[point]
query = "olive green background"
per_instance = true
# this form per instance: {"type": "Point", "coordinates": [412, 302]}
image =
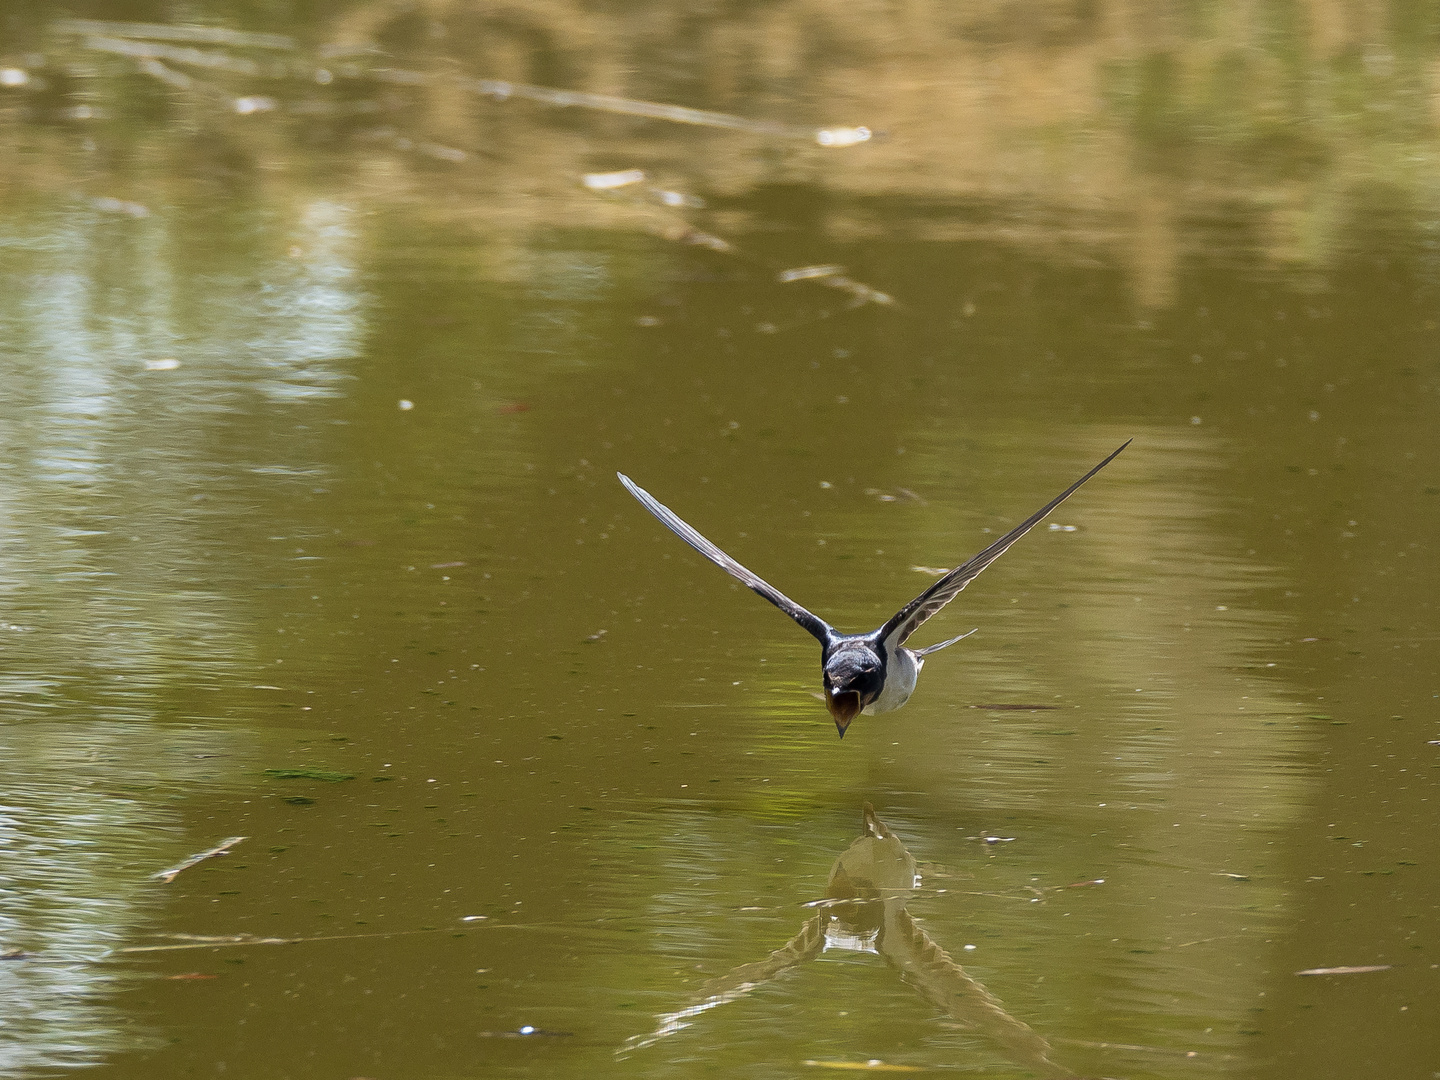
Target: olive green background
{"type": "Point", "coordinates": [226, 546]}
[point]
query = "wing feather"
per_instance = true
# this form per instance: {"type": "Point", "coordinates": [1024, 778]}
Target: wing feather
{"type": "Point", "coordinates": [811, 622]}
{"type": "Point", "coordinates": [908, 619]}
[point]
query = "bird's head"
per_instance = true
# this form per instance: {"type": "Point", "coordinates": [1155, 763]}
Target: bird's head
{"type": "Point", "coordinates": [853, 680]}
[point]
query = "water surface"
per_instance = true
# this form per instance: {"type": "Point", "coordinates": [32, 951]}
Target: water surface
{"type": "Point", "coordinates": [312, 417]}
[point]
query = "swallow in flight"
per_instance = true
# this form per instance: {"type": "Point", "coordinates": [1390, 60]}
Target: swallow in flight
{"type": "Point", "coordinates": [874, 672]}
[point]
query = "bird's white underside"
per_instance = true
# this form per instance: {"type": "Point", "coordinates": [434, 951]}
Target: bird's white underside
{"type": "Point", "coordinates": [900, 676]}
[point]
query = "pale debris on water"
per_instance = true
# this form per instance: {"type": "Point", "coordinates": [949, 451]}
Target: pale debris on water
{"type": "Point", "coordinates": [443, 153]}
{"type": "Point", "coordinates": [686, 235]}
{"type": "Point", "coordinates": [873, 1065]}
{"type": "Point", "coordinates": [843, 136]}
{"type": "Point", "coordinates": [170, 874]}
{"type": "Point", "coordinates": [655, 110]}
{"type": "Point", "coordinates": [1357, 970]}
{"type": "Point", "coordinates": [885, 496]}
{"type": "Point", "coordinates": [623, 178]}
{"type": "Point", "coordinates": [862, 293]}
{"type": "Point", "coordinates": [247, 106]}
{"type": "Point", "coordinates": [434, 150]}
{"type": "Point", "coordinates": [164, 363]}
{"type": "Point", "coordinates": [611, 180]}
{"type": "Point", "coordinates": [207, 941]}
{"type": "Point", "coordinates": [213, 35]}
{"type": "Point", "coordinates": [677, 199]}
{"type": "Point", "coordinates": [14, 76]}
{"type": "Point", "coordinates": [167, 75]}
{"type": "Point", "coordinates": [834, 277]}
{"type": "Point", "coordinates": [806, 273]}
{"type": "Point", "coordinates": [176, 54]}
{"type": "Point", "coordinates": [120, 206]}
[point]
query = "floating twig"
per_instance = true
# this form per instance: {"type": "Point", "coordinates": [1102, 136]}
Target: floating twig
{"type": "Point", "coordinates": [221, 848]}
{"type": "Point", "coordinates": [1167, 1050]}
{"type": "Point", "coordinates": [834, 277]}
{"type": "Point", "coordinates": [1358, 970]}
{"type": "Point", "coordinates": [860, 293]}
{"type": "Point", "coordinates": [808, 273]}
{"type": "Point", "coordinates": [678, 114]}
{"type": "Point", "coordinates": [628, 183]}
{"type": "Point", "coordinates": [168, 75]}
{"type": "Point", "coordinates": [501, 90]}
{"type": "Point", "coordinates": [176, 54]}
{"type": "Point", "coordinates": [221, 942]}
{"type": "Point", "coordinates": [684, 234]}
{"type": "Point", "coordinates": [210, 35]}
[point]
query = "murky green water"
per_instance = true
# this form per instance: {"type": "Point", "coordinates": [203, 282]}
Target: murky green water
{"type": "Point", "coordinates": [316, 382]}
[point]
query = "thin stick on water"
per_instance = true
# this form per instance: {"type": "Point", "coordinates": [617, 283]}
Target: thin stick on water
{"type": "Point", "coordinates": [246, 939]}
{"type": "Point", "coordinates": [654, 110]}
{"type": "Point", "coordinates": [177, 54]}
{"type": "Point", "coordinates": [210, 35]}
{"type": "Point", "coordinates": [175, 871]}
{"type": "Point", "coordinates": [632, 184]}
{"type": "Point", "coordinates": [144, 41]}
{"type": "Point", "coordinates": [677, 114]}
{"type": "Point", "coordinates": [168, 75]}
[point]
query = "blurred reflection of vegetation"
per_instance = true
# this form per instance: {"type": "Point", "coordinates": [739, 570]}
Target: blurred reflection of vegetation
{"type": "Point", "coordinates": [1128, 130]}
{"type": "Point", "coordinates": [86, 814]}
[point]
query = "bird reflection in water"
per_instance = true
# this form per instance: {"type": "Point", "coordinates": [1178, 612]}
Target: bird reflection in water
{"type": "Point", "coordinates": [864, 911]}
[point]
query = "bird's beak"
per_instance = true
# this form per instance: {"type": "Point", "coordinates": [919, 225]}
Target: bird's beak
{"type": "Point", "coordinates": [844, 707]}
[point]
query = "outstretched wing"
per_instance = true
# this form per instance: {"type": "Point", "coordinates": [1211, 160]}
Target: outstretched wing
{"type": "Point", "coordinates": [908, 619]}
{"type": "Point", "coordinates": [811, 622]}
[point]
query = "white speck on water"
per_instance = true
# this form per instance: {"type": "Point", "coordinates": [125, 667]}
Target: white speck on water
{"type": "Point", "coordinates": [612, 180]}
{"type": "Point", "coordinates": [842, 136]}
